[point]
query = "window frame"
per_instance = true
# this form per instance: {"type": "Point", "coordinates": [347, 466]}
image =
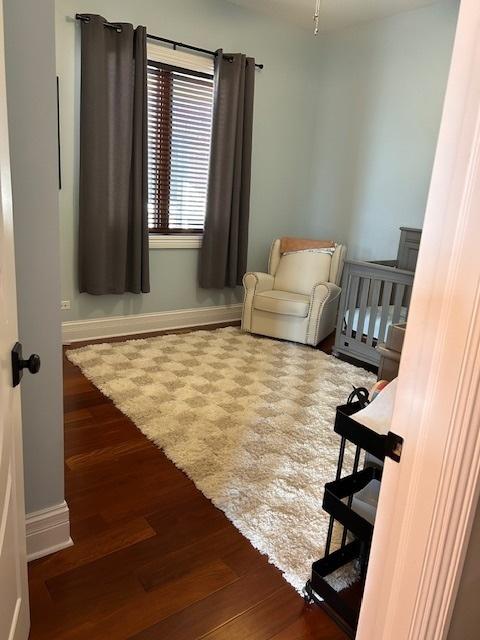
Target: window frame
{"type": "Point", "coordinates": [172, 60]}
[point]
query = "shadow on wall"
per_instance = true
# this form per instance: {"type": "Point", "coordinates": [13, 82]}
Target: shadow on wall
{"type": "Point", "coordinates": [381, 95]}
{"type": "Point", "coordinates": [347, 109]}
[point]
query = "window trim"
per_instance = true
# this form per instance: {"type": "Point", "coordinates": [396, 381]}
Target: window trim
{"type": "Point", "coordinates": [166, 55]}
{"type": "Point", "coordinates": [175, 241]}
{"type": "Point", "coordinates": [170, 67]}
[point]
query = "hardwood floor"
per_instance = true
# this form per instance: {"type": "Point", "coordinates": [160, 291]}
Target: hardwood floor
{"type": "Point", "coordinates": [153, 559]}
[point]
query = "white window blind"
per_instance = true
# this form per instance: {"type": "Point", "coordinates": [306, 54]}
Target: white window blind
{"type": "Point", "coordinates": [180, 105]}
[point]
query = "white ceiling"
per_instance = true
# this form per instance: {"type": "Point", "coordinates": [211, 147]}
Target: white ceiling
{"type": "Point", "coordinates": [334, 14]}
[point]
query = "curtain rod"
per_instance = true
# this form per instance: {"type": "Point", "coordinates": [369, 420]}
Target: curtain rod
{"type": "Point", "coordinates": [174, 43]}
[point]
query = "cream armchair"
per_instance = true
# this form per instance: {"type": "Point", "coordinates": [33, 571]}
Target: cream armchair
{"type": "Point", "coordinates": [298, 298]}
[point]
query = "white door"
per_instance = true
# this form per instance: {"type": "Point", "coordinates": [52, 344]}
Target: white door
{"type": "Point", "coordinates": [427, 502]}
{"type": "Point", "coordinates": [14, 613]}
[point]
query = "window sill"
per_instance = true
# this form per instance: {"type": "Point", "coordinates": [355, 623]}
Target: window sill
{"type": "Point", "coordinates": [175, 242]}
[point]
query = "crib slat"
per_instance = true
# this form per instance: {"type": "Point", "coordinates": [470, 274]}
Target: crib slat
{"type": "Point", "coordinates": [373, 310]}
{"type": "Point", "coordinates": [341, 324]}
{"type": "Point", "coordinates": [386, 297]}
{"type": "Point", "coordinates": [408, 297]}
{"type": "Point", "coordinates": [352, 303]}
{"type": "Point", "coordinates": [398, 301]}
{"type": "Point", "coordinates": [364, 289]}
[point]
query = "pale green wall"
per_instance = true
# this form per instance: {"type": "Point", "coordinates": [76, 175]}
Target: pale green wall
{"type": "Point", "coordinates": [344, 134]}
{"type": "Point", "coordinates": [32, 128]}
{"type": "Point", "coordinates": [381, 90]}
{"type": "Point", "coordinates": [284, 119]}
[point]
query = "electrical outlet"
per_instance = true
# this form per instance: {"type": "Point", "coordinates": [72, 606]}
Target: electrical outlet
{"type": "Point", "coordinates": [65, 305]}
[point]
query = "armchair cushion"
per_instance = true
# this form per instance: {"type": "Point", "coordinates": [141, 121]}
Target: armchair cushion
{"type": "Point", "coordinates": [300, 272]}
{"type": "Point", "coordinates": [284, 302]}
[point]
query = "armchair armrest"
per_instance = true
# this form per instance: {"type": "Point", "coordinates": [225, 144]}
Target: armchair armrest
{"type": "Point", "coordinates": [322, 314]}
{"type": "Point", "coordinates": [253, 282]}
{"type": "Point", "coordinates": [324, 291]}
{"type": "Point", "coordinates": [257, 281]}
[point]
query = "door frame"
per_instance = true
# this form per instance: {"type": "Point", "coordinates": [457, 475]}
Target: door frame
{"type": "Point", "coordinates": [428, 501]}
{"type": "Point", "coordinates": [14, 582]}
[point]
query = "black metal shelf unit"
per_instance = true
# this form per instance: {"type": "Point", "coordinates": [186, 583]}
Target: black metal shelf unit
{"type": "Point", "coordinates": [357, 530]}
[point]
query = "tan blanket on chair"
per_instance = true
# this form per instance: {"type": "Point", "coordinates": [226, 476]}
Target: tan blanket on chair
{"type": "Point", "coordinates": [288, 244]}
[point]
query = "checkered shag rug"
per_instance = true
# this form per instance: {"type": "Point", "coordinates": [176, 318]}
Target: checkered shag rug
{"type": "Point", "coordinates": [248, 419]}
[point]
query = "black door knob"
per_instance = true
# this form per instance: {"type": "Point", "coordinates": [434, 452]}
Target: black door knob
{"type": "Point", "coordinates": [18, 363]}
{"type": "Point", "coordinates": [32, 364]}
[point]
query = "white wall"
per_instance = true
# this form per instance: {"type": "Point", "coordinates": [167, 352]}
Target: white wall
{"type": "Point", "coordinates": [31, 98]}
{"type": "Point", "coordinates": [381, 90]}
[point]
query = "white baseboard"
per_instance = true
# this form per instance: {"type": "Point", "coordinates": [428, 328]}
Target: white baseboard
{"type": "Point", "coordinates": [78, 330]}
{"type": "Point", "coordinates": [48, 530]}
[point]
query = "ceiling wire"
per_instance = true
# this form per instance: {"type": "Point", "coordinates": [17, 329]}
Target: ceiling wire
{"type": "Point", "coordinates": [316, 17]}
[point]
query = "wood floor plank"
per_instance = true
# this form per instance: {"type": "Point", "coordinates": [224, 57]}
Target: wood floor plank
{"type": "Point", "coordinates": [217, 609]}
{"type": "Point", "coordinates": [90, 582]}
{"type": "Point", "coordinates": [309, 625]}
{"type": "Point", "coordinates": [107, 541]}
{"type": "Point", "coordinates": [153, 558]}
{"type": "Point", "coordinates": [144, 610]}
{"type": "Point", "coordinates": [75, 415]}
{"type": "Point", "coordinates": [105, 454]}
{"type": "Point", "coordinates": [86, 528]}
{"type": "Point", "coordinates": [244, 559]}
{"type": "Point", "coordinates": [140, 471]}
{"type": "Point", "coordinates": [95, 434]}
{"type": "Point", "coordinates": [218, 545]}
{"type": "Point", "coordinates": [83, 400]}
{"type": "Point", "coordinates": [130, 495]}
{"type": "Point", "coordinates": [263, 620]}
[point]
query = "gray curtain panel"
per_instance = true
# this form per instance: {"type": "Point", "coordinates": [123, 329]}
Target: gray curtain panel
{"type": "Point", "coordinates": [223, 258]}
{"type": "Point", "coordinates": [113, 220]}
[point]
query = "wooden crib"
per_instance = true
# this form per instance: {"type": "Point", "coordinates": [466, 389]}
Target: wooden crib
{"type": "Point", "coordinates": [374, 296]}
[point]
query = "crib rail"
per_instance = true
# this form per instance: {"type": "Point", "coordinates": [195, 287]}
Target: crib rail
{"type": "Point", "coordinates": [374, 295]}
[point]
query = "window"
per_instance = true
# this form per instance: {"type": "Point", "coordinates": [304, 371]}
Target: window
{"type": "Point", "coordinates": [180, 104]}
